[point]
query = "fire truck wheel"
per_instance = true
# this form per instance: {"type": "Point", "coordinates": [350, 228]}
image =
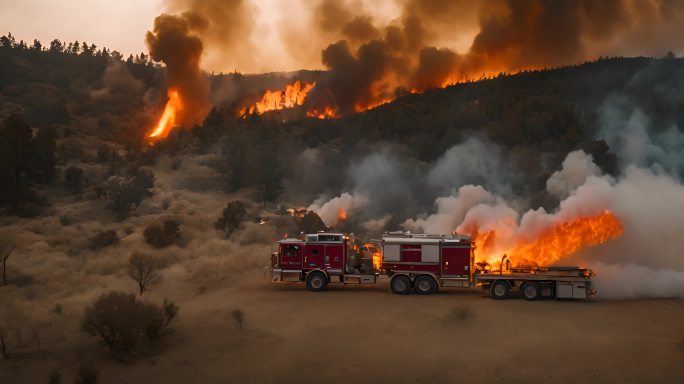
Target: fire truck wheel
{"type": "Point", "coordinates": [316, 282]}
{"type": "Point", "coordinates": [401, 285]}
{"type": "Point", "coordinates": [424, 285]}
{"type": "Point", "coordinates": [499, 290]}
{"type": "Point", "coordinates": [530, 291]}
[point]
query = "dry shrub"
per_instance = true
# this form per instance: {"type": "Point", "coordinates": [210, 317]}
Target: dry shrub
{"type": "Point", "coordinates": [162, 237]}
{"type": "Point", "coordinates": [103, 239]}
{"type": "Point", "coordinates": [121, 320]}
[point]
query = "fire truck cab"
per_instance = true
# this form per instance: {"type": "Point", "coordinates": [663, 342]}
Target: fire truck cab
{"type": "Point", "coordinates": [319, 259]}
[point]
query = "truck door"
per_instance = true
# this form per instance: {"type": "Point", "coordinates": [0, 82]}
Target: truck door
{"type": "Point", "coordinates": [291, 256]}
{"type": "Point", "coordinates": [313, 256]}
{"type": "Point", "coordinates": [334, 258]}
{"type": "Point", "coordinates": [455, 260]}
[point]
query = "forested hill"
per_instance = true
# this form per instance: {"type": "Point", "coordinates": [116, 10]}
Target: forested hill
{"type": "Point", "coordinates": [93, 101]}
{"type": "Point", "coordinates": [548, 110]}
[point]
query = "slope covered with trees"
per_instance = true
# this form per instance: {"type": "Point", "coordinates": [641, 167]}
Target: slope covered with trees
{"type": "Point", "coordinates": [69, 104]}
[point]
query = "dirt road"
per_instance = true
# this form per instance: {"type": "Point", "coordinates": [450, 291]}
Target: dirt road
{"type": "Point", "coordinates": [367, 335]}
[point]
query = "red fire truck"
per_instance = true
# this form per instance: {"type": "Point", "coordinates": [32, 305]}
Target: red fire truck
{"type": "Point", "coordinates": [417, 263]}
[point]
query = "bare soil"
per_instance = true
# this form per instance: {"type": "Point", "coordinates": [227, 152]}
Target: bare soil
{"type": "Point", "coordinates": [356, 334]}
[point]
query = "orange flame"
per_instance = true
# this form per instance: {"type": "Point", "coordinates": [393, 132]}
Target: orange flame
{"type": "Point", "coordinates": [327, 113]}
{"type": "Point", "coordinates": [375, 254]}
{"type": "Point", "coordinates": [370, 250]}
{"type": "Point", "coordinates": [290, 97]}
{"type": "Point", "coordinates": [168, 119]}
{"type": "Point", "coordinates": [362, 107]}
{"type": "Point", "coordinates": [341, 215]}
{"type": "Point", "coordinates": [553, 244]}
{"type": "Point", "coordinates": [297, 212]}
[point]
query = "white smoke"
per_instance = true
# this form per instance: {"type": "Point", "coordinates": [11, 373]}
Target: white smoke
{"type": "Point", "coordinates": [472, 162]}
{"type": "Point", "coordinates": [576, 168]}
{"type": "Point", "coordinates": [648, 204]}
{"type": "Point", "coordinates": [632, 281]}
{"type": "Point", "coordinates": [451, 210]}
{"type": "Point", "coordinates": [328, 210]}
{"type": "Point", "coordinates": [628, 131]}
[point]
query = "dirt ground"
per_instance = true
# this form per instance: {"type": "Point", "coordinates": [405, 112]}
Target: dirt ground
{"type": "Point", "coordinates": [365, 334]}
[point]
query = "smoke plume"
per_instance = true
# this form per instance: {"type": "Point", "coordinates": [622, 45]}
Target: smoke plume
{"type": "Point", "coordinates": [174, 42]}
{"type": "Point", "coordinates": [375, 51]}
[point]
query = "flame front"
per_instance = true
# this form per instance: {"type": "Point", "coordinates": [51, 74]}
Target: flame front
{"type": "Point", "coordinates": [552, 244]}
{"type": "Point", "coordinates": [326, 113]}
{"type": "Point", "coordinates": [289, 97]}
{"type": "Point", "coordinates": [169, 118]}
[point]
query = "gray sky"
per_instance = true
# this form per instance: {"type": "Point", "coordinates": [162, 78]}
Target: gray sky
{"type": "Point", "coordinates": [117, 24]}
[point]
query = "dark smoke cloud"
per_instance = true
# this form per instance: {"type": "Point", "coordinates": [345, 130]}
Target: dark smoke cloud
{"type": "Point", "coordinates": [373, 56]}
{"type": "Point", "coordinates": [373, 64]}
{"type": "Point", "coordinates": [350, 83]}
{"type": "Point", "coordinates": [225, 27]}
{"type": "Point", "coordinates": [509, 35]}
{"type": "Point", "coordinates": [174, 43]}
{"type": "Point", "coordinates": [523, 34]}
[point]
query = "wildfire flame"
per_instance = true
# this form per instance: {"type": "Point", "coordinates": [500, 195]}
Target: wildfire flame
{"type": "Point", "coordinates": [362, 107]}
{"type": "Point", "coordinates": [297, 212]}
{"type": "Point", "coordinates": [289, 97]}
{"type": "Point", "coordinates": [168, 119]}
{"type": "Point", "coordinates": [341, 215]}
{"type": "Point", "coordinates": [553, 244]}
{"type": "Point", "coordinates": [327, 113]}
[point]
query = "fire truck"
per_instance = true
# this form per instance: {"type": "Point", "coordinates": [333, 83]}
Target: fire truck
{"type": "Point", "coordinates": [417, 263]}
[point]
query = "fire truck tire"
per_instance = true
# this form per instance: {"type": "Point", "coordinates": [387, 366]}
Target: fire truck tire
{"type": "Point", "coordinates": [316, 282]}
{"type": "Point", "coordinates": [424, 285]}
{"type": "Point", "coordinates": [530, 291]}
{"type": "Point", "coordinates": [499, 290]}
{"type": "Point", "coordinates": [401, 285]}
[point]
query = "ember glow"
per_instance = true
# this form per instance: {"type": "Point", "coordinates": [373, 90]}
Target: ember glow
{"type": "Point", "coordinates": [551, 245]}
{"type": "Point", "coordinates": [291, 96]}
{"type": "Point", "coordinates": [168, 120]}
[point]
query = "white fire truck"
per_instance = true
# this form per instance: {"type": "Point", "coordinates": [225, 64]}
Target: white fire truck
{"type": "Point", "coordinates": [419, 263]}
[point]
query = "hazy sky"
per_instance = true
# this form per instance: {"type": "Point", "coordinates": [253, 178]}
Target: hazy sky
{"type": "Point", "coordinates": [117, 24]}
{"type": "Point", "coordinates": [121, 25]}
